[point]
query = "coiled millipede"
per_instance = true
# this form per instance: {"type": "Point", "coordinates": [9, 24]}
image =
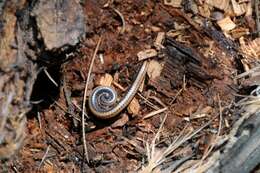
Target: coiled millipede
{"type": "Point", "coordinates": [102, 100]}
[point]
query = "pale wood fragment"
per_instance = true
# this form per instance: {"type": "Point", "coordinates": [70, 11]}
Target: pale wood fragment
{"type": "Point", "coordinates": [145, 54]}
{"type": "Point", "coordinates": [226, 24]}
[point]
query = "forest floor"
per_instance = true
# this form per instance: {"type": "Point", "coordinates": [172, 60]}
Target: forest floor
{"type": "Point", "coordinates": [195, 50]}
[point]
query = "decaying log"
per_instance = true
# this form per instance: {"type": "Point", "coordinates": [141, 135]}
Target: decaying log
{"type": "Point", "coordinates": [180, 61]}
{"type": "Point", "coordinates": [23, 29]}
{"type": "Point", "coordinates": [242, 153]}
{"type": "Point", "coordinates": [60, 23]}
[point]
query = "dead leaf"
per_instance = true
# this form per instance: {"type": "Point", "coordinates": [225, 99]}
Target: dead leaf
{"type": "Point", "coordinates": [134, 107]}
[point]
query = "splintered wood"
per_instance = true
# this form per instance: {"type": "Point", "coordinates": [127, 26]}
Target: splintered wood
{"type": "Point", "coordinates": [231, 7]}
{"type": "Point", "coordinates": [252, 48]}
{"type": "Point", "coordinates": [180, 61]}
{"type": "Point", "coordinates": [239, 9]}
{"type": "Point", "coordinates": [159, 40]}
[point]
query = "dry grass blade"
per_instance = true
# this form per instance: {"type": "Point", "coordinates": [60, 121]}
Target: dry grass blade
{"type": "Point", "coordinates": [157, 157]}
{"type": "Point", "coordinates": [84, 100]}
{"type": "Point", "coordinates": [153, 113]}
{"type": "Point", "coordinates": [44, 157]}
{"type": "Point", "coordinates": [211, 147]}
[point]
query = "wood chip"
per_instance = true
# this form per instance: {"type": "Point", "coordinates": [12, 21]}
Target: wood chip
{"type": "Point", "coordinates": [159, 40]}
{"type": "Point", "coordinates": [220, 4]}
{"type": "Point", "coordinates": [173, 3]}
{"type": "Point", "coordinates": [239, 9]}
{"type": "Point", "coordinates": [105, 80]}
{"type": "Point", "coordinates": [145, 54]}
{"type": "Point", "coordinates": [134, 107]}
{"type": "Point", "coordinates": [226, 24]}
{"type": "Point", "coordinates": [154, 69]}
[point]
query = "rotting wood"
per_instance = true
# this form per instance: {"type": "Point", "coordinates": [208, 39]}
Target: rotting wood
{"type": "Point", "coordinates": [242, 153]}
{"type": "Point", "coordinates": [181, 60]}
{"type": "Point", "coordinates": [21, 48]}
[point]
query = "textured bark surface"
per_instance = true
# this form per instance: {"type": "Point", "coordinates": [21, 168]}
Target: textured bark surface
{"type": "Point", "coordinates": [20, 51]}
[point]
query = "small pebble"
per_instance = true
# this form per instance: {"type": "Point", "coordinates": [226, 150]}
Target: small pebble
{"type": "Point", "coordinates": [217, 15]}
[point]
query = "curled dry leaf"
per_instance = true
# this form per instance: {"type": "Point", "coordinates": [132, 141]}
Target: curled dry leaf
{"type": "Point", "coordinates": [145, 54]}
{"type": "Point", "coordinates": [105, 80]}
{"type": "Point", "coordinates": [154, 69]}
{"type": "Point", "coordinates": [134, 107]}
{"type": "Point", "coordinates": [226, 24]}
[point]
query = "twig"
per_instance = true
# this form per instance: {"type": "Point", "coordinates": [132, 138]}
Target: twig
{"type": "Point", "coordinates": [155, 112]}
{"type": "Point", "coordinates": [39, 119]}
{"type": "Point", "coordinates": [158, 101]}
{"type": "Point", "coordinates": [44, 156]}
{"type": "Point", "coordinates": [49, 76]}
{"type": "Point", "coordinates": [84, 100]}
{"type": "Point", "coordinates": [148, 102]}
{"type": "Point", "coordinates": [257, 17]}
{"type": "Point", "coordinates": [119, 86]}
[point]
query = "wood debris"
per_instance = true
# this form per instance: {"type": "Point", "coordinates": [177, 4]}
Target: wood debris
{"type": "Point", "coordinates": [226, 24]}
{"type": "Point", "coordinates": [145, 54]}
{"type": "Point", "coordinates": [159, 40]}
{"type": "Point", "coordinates": [105, 80]}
